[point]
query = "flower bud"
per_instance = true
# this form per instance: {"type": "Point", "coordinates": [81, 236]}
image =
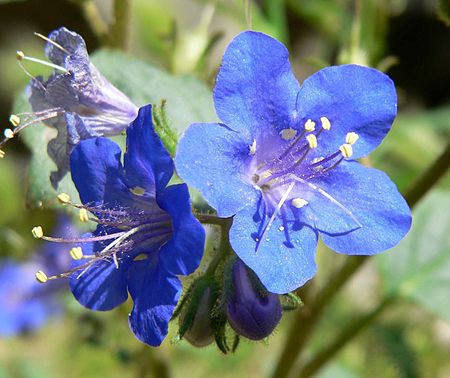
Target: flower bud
{"type": "Point", "coordinates": [252, 312]}
{"type": "Point", "coordinates": [200, 332]}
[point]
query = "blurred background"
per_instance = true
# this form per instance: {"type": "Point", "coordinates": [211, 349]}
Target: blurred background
{"type": "Point", "coordinates": [408, 39]}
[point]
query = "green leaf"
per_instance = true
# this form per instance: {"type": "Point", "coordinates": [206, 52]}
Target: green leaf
{"type": "Point", "coordinates": [419, 267]}
{"type": "Point", "coordinates": [188, 101]}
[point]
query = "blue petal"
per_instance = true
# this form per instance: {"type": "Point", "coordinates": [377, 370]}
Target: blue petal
{"type": "Point", "coordinates": [353, 98]}
{"type": "Point", "coordinates": [97, 171]}
{"type": "Point", "coordinates": [209, 157]}
{"type": "Point", "coordinates": [102, 287]}
{"type": "Point", "coordinates": [374, 201]}
{"type": "Point", "coordinates": [182, 254]}
{"type": "Point", "coordinates": [155, 294]}
{"type": "Point", "coordinates": [147, 162]}
{"type": "Point", "coordinates": [284, 260]}
{"type": "Point", "coordinates": [255, 87]}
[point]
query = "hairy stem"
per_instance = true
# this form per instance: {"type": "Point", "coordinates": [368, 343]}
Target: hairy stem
{"type": "Point", "coordinates": [309, 316]}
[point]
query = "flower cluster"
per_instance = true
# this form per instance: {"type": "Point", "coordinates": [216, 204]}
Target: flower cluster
{"type": "Point", "coordinates": [280, 168]}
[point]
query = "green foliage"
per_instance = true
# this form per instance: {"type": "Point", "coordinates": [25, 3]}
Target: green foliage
{"type": "Point", "coordinates": [419, 267]}
{"type": "Point", "coordinates": [187, 101]}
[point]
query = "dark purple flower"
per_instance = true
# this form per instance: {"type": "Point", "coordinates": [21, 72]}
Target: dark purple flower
{"type": "Point", "coordinates": [252, 312]}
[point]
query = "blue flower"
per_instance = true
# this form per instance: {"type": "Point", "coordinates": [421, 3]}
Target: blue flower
{"type": "Point", "coordinates": [26, 305]}
{"type": "Point", "coordinates": [76, 99]}
{"type": "Point", "coordinates": [251, 312]}
{"type": "Point", "coordinates": [281, 161]}
{"type": "Point", "coordinates": [147, 234]}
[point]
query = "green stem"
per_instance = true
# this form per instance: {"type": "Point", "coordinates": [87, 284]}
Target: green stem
{"type": "Point", "coordinates": [213, 219]}
{"type": "Point", "coordinates": [344, 336]}
{"type": "Point", "coordinates": [308, 316]}
{"type": "Point", "coordinates": [120, 30]}
{"type": "Point", "coordinates": [94, 19]}
{"type": "Point", "coordinates": [276, 10]}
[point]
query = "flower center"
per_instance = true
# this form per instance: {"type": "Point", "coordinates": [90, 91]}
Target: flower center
{"type": "Point", "coordinates": [126, 233]}
{"type": "Point", "coordinates": [285, 177]}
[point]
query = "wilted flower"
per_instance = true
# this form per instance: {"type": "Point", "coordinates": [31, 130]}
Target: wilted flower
{"type": "Point", "coordinates": [76, 99]}
{"type": "Point", "coordinates": [146, 234]}
{"type": "Point", "coordinates": [281, 161]}
{"type": "Point", "coordinates": [251, 311]}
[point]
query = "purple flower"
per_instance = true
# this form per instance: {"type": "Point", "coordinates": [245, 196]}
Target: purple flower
{"type": "Point", "coordinates": [76, 99]}
{"type": "Point", "coordinates": [281, 163]}
{"type": "Point", "coordinates": [147, 234]}
{"type": "Point", "coordinates": [26, 305]}
{"type": "Point", "coordinates": [252, 312]}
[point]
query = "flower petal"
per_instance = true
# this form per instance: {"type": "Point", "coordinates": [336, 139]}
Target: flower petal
{"type": "Point", "coordinates": [97, 171]}
{"type": "Point", "coordinates": [102, 287]}
{"type": "Point", "coordinates": [374, 201]}
{"type": "Point", "coordinates": [182, 253]}
{"type": "Point", "coordinates": [155, 294]}
{"type": "Point", "coordinates": [69, 40]}
{"type": "Point", "coordinates": [354, 99]}
{"type": "Point", "coordinates": [147, 162]}
{"type": "Point", "coordinates": [209, 157]}
{"type": "Point", "coordinates": [255, 86]}
{"type": "Point", "coordinates": [284, 259]}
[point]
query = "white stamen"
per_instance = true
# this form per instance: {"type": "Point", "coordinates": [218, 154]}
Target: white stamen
{"type": "Point", "coordinates": [52, 42]}
{"type": "Point", "coordinates": [298, 203]}
{"type": "Point", "coordinates": [326, 124]}
{"type": "Point", "coordinates": [20, 56]}
{"type": "Point", "coordinates": [327, 196]}
{"type": "Point", "coordinates": [14, 119]}
{"type": "Point", "coordinates": [312, 140]}
{"type": "Point", "coordinates": [310, 125]}
{"type": "Point", "coordinates": [8, 133]}
{"type": "Point", "coordinates": [252, 148]}
{"type": "Point", "coordinates": [346, 150]}
{"type": "Point", "coordinates": [351, 138]}
{"type": "Point", "coordinates": [275, 213]}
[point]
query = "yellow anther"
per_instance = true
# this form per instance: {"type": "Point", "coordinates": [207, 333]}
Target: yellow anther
{"type": "Point", "coordinates": [288, 134]}
{"type": "Point", "coordinates": [84, 216]}
{"type": "Point", "coordinates": [37, 232]}
{"type": "Point", "coordinates": [41, 277]}
{"type": "Point", "coordinates": [252, 148]}
{"type": "Point", "coordinates": [2, 154]}
{"type": "Point", "coordinates": [64, 198]}
{"type": "Point", "coordinates": [312, 140]}
{"type": "Point", "coordinates": [20, 55]}
{"type": "Point", "coordinates": [326, 125]}
{"type": "Point", "coordinates": [351, 138]}
{"type": "Point", "coordinates": [138, 191]}
{"type": "Point", "coordinates": [76, 253]}
{"type": "Point", "coordinates": [346, 150]}
{"type": "Point", "coordinates": [8, 133]}
{"type": "Point", "coordinates": [310, 125]}
{"type": "Point", "coordinates": [299, 203]}
{"type": "Point", "coordinates": [14, 119]}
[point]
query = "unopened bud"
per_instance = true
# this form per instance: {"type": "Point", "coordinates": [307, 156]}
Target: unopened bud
{"type": "Point", "coordinates": [252, 312]}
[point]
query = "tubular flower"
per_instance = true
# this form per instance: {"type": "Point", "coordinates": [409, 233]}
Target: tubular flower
{"type": "Point", "coordinates": [146, 234]}
{"type": "Point", "coordinates": [281, 163]}
{"type": "Point", "coordinates": [76, 99]}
